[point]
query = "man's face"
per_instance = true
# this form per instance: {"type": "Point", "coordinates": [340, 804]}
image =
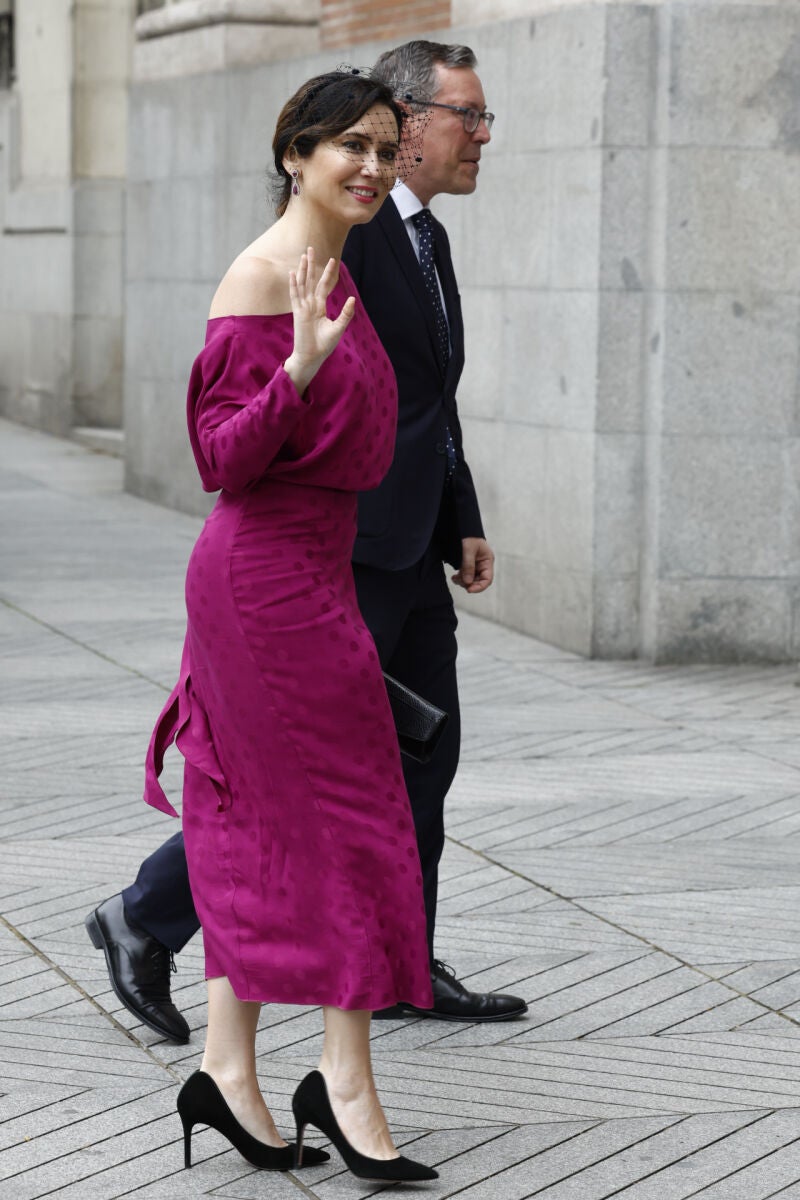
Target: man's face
{"type": "Point", "coordinates": [450, 155]}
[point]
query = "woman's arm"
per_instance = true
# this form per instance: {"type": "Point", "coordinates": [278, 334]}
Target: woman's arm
{"type": "Point", "coordinates": [238, 428]}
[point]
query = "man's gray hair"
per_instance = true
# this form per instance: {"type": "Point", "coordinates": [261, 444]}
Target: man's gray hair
{"type": "Point", "coordinates": [412, 67]}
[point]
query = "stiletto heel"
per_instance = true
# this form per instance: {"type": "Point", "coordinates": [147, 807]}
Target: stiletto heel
{"type": "Point", "coordinates": [187, 1143]}
{"type": "Point", "coordinates": [298, 1145]}
{"type": "Point", "coordinates": [200, 1102]}
{"type": "Point", "coordinates": [311, 1106]}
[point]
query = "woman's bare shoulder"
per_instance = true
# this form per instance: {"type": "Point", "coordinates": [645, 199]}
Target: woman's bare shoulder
{"type": "Point", "coordinates": [252, 286]}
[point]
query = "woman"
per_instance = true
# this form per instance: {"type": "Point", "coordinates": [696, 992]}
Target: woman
{"type": "Point", "coordinates": [299, 838]}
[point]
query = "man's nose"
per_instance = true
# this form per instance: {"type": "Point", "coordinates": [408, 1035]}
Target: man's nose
{"type": "Point", "coordinates": [482, 134]}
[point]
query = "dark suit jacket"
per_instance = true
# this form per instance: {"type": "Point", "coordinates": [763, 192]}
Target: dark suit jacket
{"type": "Point", "coordinates": [397, 520]}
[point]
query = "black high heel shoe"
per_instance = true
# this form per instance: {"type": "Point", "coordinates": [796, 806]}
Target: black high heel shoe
{"type": "Point", "coordinates": [311, 1106]}
{"type": "Point", "coordinates": [200, 1102]}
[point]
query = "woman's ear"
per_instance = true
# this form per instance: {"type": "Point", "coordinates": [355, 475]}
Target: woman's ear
{"type": "Point", "coordinates": [290, 160]}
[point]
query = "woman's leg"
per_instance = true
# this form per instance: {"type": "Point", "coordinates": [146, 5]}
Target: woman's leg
{"type": "Point", "coordinates": [230, 1059]}
{"type": "Point", "coordinates": [347, 1067]}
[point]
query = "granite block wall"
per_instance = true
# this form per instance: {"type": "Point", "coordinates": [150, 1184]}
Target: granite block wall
{"type": "Point", "coordinates": [630, 277]}
{"type": "Point", "coordinates": [62, 168]}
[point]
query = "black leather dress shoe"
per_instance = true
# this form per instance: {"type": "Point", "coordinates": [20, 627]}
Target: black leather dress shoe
{"type": "Point", "coordinates": [453, 1002]}
{"type": "Point", "coordinates": [139, 968]}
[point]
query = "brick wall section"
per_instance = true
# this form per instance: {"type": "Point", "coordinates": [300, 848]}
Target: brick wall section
{"type": "Point", "coordinates": [347, 22]}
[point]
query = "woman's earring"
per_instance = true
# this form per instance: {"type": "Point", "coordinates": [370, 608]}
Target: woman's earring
{"type": "Point", "coordinates": [295, 184]}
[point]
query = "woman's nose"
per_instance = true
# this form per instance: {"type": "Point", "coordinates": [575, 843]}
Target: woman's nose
{"type": "Point", "coordinates": [371, 164]}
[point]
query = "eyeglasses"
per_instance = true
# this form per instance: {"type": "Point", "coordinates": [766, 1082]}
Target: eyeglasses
{"type": "Point", "coordinates": [472, 118]}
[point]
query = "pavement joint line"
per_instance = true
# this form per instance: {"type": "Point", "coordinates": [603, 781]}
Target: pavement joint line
{"type": "Point", "coordinates": [671, 1125]}
{"type": "Point", "coordinates": [500, 1132]}
{"type": "Point", "coordinates": [591, 1123]}
{"type": "Point", "coordinates": [539, 1051]}
{"type": "Point", "coordinates": [787, 1188]}
{"type": "Point", "coordinates": [630, 933]}
{"type": "Point", "coordinates": [697, 1150]}
{"type": "Point", "coordinates": [218, 1191]}
{"type": "Point", "coordinates": [53, 966]}
{"type": "Point", "coordinates": [746, 1166]}
{"type": "Point", "coordinates": [83, 645]}
{"type": "Point", "coordinates": [598, 1029]}
{"type": "Point", "coordinates": [99, 1142]}
{"type": "Point", "coordinates": [57, 1191]}
{"type": "Point", "coordinates": [509, 1080]}
{"type": "Point", "coordinates": [651, 827]}
{"type": "Point", "coordinates": [754, 808]}
{"type": "Point", "coordinates": [614, 966]}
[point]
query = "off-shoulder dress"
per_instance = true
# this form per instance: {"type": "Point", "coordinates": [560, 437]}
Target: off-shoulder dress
{"type": "Point", "coordinates": [299, 837]}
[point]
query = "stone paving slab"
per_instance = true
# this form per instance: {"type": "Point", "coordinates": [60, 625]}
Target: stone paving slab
{"type": "Point", "coordinates": [760, 922]}
{"type": "Point", "coordinates": [621, 852]}
{"type": "Point", "coordinates": [703, 866]}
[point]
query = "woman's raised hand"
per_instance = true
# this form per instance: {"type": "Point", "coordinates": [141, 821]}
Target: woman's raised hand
{"type": "Point", "coordinates": [315, 336]}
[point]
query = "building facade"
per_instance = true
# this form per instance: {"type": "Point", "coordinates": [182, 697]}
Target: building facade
{"type": "Point", "coordinates": [629, 269]}
{"type": "Point", "coordinates": [64, 75]}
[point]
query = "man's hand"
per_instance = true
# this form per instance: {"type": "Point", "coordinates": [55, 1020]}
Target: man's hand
{"type": "Point", "coordinates": [477, 565]}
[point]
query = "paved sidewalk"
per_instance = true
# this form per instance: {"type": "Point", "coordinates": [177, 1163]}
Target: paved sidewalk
{"type": "Point", "coordinates": [623, 851]}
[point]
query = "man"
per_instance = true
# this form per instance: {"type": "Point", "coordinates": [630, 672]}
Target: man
{"type": "Point", "coordinates": [424, 513]}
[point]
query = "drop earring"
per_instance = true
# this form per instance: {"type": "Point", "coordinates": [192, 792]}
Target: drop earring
{"type": "Point", "coordinates": [295, 184]}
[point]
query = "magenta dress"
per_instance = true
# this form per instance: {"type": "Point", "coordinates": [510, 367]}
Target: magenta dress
{"type": "Point", "coordinates": [299, 837]}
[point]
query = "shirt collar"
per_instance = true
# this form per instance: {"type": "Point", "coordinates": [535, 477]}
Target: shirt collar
{"type": "Point", "coordinates": [406, 202]}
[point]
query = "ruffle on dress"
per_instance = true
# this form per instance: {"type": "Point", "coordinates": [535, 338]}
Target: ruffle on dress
{"type": "Point", "coordinates": [183, 720]}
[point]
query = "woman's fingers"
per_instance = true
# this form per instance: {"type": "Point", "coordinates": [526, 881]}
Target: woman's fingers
{"type": "Point", "coordinates": [302, 273]}
{"type": "Point", "coordinates": [345, 316]}
{"type": "Point", "coordinates": [311, 271]}
{"type": "Point", "coordinates": [309, 291]}
{"type": "Point", "coordinates": [327, 280]}
{"type": "Point", "coordinates": [310, 284]}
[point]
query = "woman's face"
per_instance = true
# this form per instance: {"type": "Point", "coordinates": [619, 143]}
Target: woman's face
{"type": "Point", "coordinates": [350, 175]}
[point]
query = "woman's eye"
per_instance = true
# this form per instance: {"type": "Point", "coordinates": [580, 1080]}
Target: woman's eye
{"type": "Point", "coordinates": [356, 147]}
{"type": "Point", "coordinates": [388, 156]}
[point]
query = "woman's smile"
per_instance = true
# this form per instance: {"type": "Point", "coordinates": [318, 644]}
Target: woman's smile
{"type": "Point", "coordinates": [365, 195]}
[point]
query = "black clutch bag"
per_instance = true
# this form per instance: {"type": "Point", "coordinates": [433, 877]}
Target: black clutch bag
{"type": "Point", "coordinates": [419, 723]}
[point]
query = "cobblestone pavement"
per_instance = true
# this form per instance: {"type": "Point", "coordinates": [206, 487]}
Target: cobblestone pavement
{"type": "Point", "coordinates": [623, 850]}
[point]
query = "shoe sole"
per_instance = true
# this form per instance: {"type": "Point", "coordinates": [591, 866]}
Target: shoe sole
{"type": "Point", "coordinates": [436, 1016]}
{"type": "Point", "coordinates": [99, 942]}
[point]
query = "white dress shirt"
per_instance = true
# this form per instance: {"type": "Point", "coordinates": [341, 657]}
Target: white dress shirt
{"type": "Point", "coordinates": [408, 205]}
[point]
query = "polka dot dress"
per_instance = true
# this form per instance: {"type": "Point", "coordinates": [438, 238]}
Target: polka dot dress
{"type": "Point", "coordinates": [299, 837]}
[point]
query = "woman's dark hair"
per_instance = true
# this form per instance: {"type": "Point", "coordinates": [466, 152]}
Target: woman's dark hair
{"type": "Point", "coordinates": [322, 108]}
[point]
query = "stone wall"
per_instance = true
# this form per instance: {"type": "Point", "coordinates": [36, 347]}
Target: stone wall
{"type": "Point", "coordinates": [636, 436]}
{"type": "Point", "coordinates": [35, 251]}
{"type": "Point", "coordinates": [62, 179]}
{"type": "Point", "coordinates": [700, 205]}
{"type": "Point", "coordinates": [188, 37]}
{"type": "Point", "coordinates": [630, 276]}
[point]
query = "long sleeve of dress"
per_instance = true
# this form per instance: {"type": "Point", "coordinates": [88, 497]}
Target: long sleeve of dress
{"type": "Point", "coordinates": [241, 408]}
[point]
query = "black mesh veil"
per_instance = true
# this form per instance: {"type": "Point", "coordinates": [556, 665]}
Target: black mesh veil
{"type": "Point", "coordinates": [397, 153]}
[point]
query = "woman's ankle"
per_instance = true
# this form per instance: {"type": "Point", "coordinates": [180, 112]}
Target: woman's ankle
{"type": "Point", "coordinates": [346, 1082]}
{"type": "Point", "coordinates": [228, 1076]}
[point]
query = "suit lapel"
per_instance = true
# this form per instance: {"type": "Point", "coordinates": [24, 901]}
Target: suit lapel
{"type": "Point", "coordinates": [392, 226]}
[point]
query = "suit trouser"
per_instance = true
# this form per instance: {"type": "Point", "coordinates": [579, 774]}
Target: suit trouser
{"type": "Point", "coordinates": [410, 615]}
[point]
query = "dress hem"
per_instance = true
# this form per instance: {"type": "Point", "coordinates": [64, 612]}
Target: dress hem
{"type": "Point", "coordinates": [352, 1004]}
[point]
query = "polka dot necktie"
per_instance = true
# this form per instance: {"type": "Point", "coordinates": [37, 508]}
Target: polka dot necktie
{"type": "Point", "coordinates": [423, 223]}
